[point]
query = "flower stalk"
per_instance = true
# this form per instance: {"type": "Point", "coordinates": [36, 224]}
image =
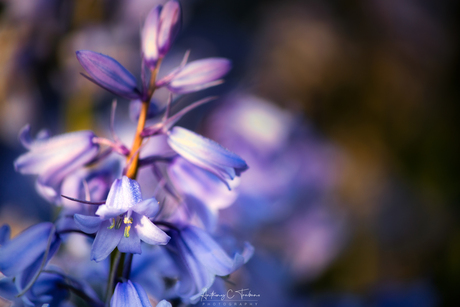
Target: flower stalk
{"type": "Point", "coordinates": [133, 157]}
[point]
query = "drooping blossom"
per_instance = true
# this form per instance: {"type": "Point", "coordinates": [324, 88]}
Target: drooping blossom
{"type": "Point", "coordinates": [123, 221]}
{"type": "Point", "coordinates": [206, 154]}
{"type": "Point", "coordinates": [132, 294]}
{"type": "Point", "coordinates": [196, 75]}
{"type": "Point", "coordinates": [202, 192]}
{"type": "Point", "coordinates": [53, 158]}
{"type": "Point", "coordinates": [199, 259]}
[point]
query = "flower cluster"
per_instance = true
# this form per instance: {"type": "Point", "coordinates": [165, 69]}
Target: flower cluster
{"type": "Point", "coordinates": [94, 180]}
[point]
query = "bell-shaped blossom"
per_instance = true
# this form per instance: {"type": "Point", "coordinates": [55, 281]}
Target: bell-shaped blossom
{"type": "Point", "coordinates": [132, 294]}
{"type": "Point", "coordinates": [28, 248]}
{"type": "Point", "coordinates": [52, 159]}
{"type": "Point", "coordinates": [206, 154]}
{"type": "Point", "coordinates": [197, 75]}
{"type": "Point", "coordinates": [23, 257]}
{"type": "Point", "coordinates": [160, 29]}
{"type": "Point", "coordinates": [203, 192]}
{"type": "Point", "coordinates": [200, 259]}
{"type": "Point", "coordinates": [109, 74]}
{"type": "Point", "coordinates": [123, 221]}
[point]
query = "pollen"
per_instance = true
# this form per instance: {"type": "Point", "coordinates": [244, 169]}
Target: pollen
{"type": "Point", "coordinates": [112, 225]}
{"type": "Point", "coordinates": [128, 221]}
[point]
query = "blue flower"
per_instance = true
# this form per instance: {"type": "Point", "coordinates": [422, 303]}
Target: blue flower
{"type": "Point", "coordinates": [200, 259]}
{"type": "Point", "coordinates": [206, 154]}
{"type": "Point", "coordinates": [28, 249]}
{"type": "Point", "coordinates": [53, 158]}
{"type": "Point", "coordinates": [24, 257]}
{"type": "Point", "coordinates": [123, 221]}
{"type": "Point", "coordinates": [132, 294]}
{"type": "Point", "coordinates": [202, 191]}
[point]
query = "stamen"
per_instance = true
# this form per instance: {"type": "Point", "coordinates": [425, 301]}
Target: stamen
{"type": "Point", "coordinates": [128, 221]}
{"type": "Point", "coordinates": [112, 225]}
{"type": "Point", "coordinates": [127, 229]}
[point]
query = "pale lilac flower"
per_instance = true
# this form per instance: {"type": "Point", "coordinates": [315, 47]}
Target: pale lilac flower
{"type": "Point", "coordinates": [196, 75]}
{"type": "Point", "coordinates": [109, 74]}
{"type": "Point", "coordinates": [203, 193]}
{"type": "Point", "coordinates": [200, 259]}
{"type": "Point", "coordinates": [133, 295]}
{"type": "Point", "coordinates": [52, 159]}
{"type": "Point", "coordinates": [206, 154]}
{"type": "Point", "coordinates": [160, 29]}
{"type": "Point", "coordinates": [123, 221]}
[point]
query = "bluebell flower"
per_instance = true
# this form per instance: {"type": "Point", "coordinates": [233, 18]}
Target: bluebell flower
{"type": "Point", "coordinates": [132, 294]}
{"type": "Point", "coordinates": [109, 74]}
{"type": "Point", "coordinates": [23, 258]}
{"type": "Point", "coordinates": [199, 259]}
{"type": "Point", "coordinates": [123, 221]}
{"type": "Point", "coordinates": [28, 249]}
{"type": "Point", "coordinates": [202, 192]}
{"type": "Point", "coordinates": [53, 158]}
{"type": "Point", "coordinates": [206, 154]}
{"type": "Point", "coordinates": [196, 75]}
{"type": "Point", "coordinates": [160, 29]}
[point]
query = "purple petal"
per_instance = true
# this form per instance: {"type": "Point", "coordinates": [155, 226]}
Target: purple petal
{"type": "Point", "coordinates": [169, 25]}
{"type": "Point", "coordinates": [126, 294]}
{"type": "Point", "coordinates": [132, 244]}
{"type": "Point", "coordinates": [201, 184]}
{"type": "Point", "coordinates": [54, 158]}
{"type": "Point", "coordinates": [148, 207]}
{"type": "Point", "coordinates": [150, 233]}
{"type": "Point", "coordinates": [198, 75]}
{"type": "Point", "coordinates": [108, 212]}
{"type": "Point", "coordinates": [23, 250]}
{"type": "Point", "coordinates": [195, 278]}
{"type": "Point", "coordinates": [88, 224]}
{"type": "Point", "coordinates": [206, 153]}
{"type": "Point", "coordinates": [109, 74]}
{"type": "Point", "coordinates": [207, 251]}
{"type": "Point", "coordinates": [142, 295]}
{"type": "Point", "coordinates": [105, 242]}
{"type": "Point", "coordinates": [149, 37]}
{"type": "Point", "coordinates": [123, 194]}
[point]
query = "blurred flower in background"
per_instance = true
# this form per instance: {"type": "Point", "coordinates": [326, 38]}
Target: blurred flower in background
{"type": "Point", "coordinates": [345, 113]}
